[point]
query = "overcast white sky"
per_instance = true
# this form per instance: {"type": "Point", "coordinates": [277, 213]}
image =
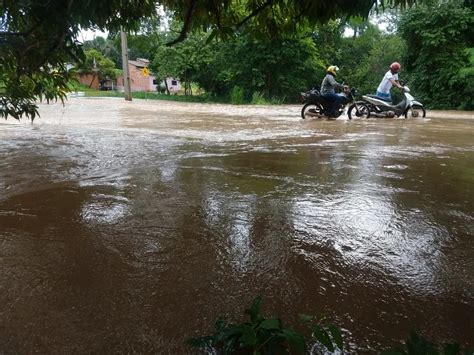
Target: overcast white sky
{"type": "Point", "coordinates": [87, 35]}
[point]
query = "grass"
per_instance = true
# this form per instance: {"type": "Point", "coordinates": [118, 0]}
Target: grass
{"type": "Point", "coordinates": [88, 92]}
{"type": "Point", "coordinates": [236, 96]}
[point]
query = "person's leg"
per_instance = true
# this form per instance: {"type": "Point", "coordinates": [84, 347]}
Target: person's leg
{"type": "Point", "coordinates": [338, 100]}
{"type": "Point", "coordinates": [384, 96]}
{"type": "Point", "coordinates": [335, 100]}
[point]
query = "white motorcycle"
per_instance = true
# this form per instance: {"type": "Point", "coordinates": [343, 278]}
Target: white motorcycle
{"type": "Point", "coordinates": [374, 106]}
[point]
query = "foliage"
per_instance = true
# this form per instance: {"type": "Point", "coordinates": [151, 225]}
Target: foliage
{"type": "Point", "coordinates": [38, 37]}
{"type": "Point", "coordinates": [262, 335]}
{"type": "Point", "coordinates": [363, 57]}
{"type": "Point", "coordinates": [374, 63]}
{"type": "Point", "coordinates": [328, 39]}
{"type": "Point", "coordinates": [237, 95]}
{"type": "Point", "coordinates": [109, 48]}
{"type": "Point", "coordinates": [267, 18]}
{"type": "Point", "coordinates": [258, 99]}
{"type": "Point", "coordinates": [436, 57]}
{"type": "Point", "coordinates": [274, 69]}
{"type": "Point", "coordinates": [141, 45]}
{"type": "Point", "coordinates": [417, 345]}
{"type": "Point", "coordinates": [18, 93]}
{"type": "Point", "coordinates": [181, 61]}
{"type": "Point", "coordinates": [96, 63]}
{"type": "Point", "coordinates": [355, 54]}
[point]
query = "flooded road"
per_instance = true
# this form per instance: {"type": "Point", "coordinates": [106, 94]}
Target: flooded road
{"type": "Point", "coordinates": [130, 227]}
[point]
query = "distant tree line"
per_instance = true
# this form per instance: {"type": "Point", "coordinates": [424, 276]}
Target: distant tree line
{"type": "Point", "coordinates": [259, 48]}
{"type": "Point", "coordinates": [434, 43]}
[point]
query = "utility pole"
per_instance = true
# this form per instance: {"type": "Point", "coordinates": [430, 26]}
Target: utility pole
{"type": "Point", "coordinates": [126, 73]}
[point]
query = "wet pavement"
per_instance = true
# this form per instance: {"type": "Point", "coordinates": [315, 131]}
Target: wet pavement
{"type": "Point", "coordinates": [132, 226]}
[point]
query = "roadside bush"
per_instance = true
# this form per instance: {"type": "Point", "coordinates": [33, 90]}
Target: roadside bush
{"type": "Point", "coordinates": [237, 95]}
{"type": "Point", "coordinates": [258, 99]}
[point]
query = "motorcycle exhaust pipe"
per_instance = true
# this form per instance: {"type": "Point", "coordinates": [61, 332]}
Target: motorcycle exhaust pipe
{"type": "Point", "coordinates": [386, 114]}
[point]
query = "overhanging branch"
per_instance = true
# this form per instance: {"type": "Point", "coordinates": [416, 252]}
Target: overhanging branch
{"type": "Point", "coordinates": [187, 24]}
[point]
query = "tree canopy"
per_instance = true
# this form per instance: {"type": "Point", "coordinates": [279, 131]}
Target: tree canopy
{"type": "Point", "coordinates": [96, 63]}
{"type": "Point", "coordinates": [439, 55]}
{"type": "Point", "coordinates": [38, 38]}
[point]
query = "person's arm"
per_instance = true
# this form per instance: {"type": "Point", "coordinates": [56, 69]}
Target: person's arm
{"type": "Point", "coordinates": [334, 83]}
{"type": "Point", "coordinates": [396, 83]}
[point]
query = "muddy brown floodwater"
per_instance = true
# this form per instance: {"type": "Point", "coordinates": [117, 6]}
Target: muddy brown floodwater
{"type": "Point", "coordinates": [130, 227]}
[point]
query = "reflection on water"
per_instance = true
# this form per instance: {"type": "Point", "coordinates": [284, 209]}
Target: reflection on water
{"type": "Point", "coordinates": [129, 227]}
{"type": "Point", "coordinates": [105, 209]}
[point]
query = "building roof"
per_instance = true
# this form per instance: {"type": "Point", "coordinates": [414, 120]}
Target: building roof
{"type": "Point", "coordinates": [140, 62]}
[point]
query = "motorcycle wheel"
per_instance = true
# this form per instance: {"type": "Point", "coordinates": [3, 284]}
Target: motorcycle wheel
{"type": "Point", "coordinates": [415, 111]}
{"type": "Point", "coordinates": [311, 110]}
{"type": "Point", "coordinates": [358, 111]}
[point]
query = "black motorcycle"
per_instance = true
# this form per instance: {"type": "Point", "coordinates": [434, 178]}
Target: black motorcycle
{"type": "Point", "coordinates": [316, 105]}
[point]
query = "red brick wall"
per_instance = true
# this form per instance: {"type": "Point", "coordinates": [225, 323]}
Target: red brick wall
{"type": "Point", "coordinates": [91, 80]}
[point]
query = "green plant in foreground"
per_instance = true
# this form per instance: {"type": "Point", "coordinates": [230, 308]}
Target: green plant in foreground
{"type": "Point", "coordinates": [417, 345]}
{"type": "Point", "coordinates": [262, 335]}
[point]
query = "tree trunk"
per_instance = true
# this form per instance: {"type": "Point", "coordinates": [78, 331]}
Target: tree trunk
{"type": "Point", "coordinates": [185, 83]}
{"type": "Point", "coordinates": [92, 81]}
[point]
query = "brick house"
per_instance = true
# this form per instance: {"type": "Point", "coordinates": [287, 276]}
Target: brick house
{"type": "Point", "coordinates": [140, 82]}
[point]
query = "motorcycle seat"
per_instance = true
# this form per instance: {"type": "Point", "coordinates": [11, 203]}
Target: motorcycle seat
{"type": "Point", "coordinates": [379, 98]}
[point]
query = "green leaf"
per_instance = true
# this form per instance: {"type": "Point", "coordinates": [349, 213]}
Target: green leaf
{"type": "Point", "coordinates": [336, 336]}
{"type": "Point", "coordinates": [254, 309]}
{"type": "Point", "coordinates": [232, 331]}
{"type": "Point", "coordinates": [248, 337]}
{"type": "Point", "coordinates": [220, 325]}
{"type": "Point", "coordinates": [452, 349]}
{"type": "Point", "coordinates": [271, 324]}
{"type": "Point", "coordinates": [200, 342]}
{"type": "Point", "coordinates": [211, 37]}
{"type": "Point", "coordinates": [419, 345]}
{"type": "Point", "coordinates": [322, 336]}
{"type": "Point", "coordinates": [295, 340]}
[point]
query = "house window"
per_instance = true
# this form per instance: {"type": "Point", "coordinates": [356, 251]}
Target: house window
{"type": "Point", "coordinates": [155, 82]}
{"type": "Point", "coordinates": [174, 82]}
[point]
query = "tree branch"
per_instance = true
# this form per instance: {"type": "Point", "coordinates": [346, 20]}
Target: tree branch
{"type": "Point", "coordinates": [254, 13]}
{"type": "Point", "coordinates": [187, 24]}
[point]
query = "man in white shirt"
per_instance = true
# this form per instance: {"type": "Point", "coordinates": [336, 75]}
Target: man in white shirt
{"type": "Point", "coordinates": [390, 79]}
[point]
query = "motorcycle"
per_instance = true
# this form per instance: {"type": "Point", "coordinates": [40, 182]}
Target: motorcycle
{"type": "Point", "coordinates": [408, 107]}
{"type": "Point", "coordinates": [316, 105]}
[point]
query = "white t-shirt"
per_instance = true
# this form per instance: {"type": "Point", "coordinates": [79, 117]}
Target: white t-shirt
{"type": "Point", "coordinates": [385, 85]}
